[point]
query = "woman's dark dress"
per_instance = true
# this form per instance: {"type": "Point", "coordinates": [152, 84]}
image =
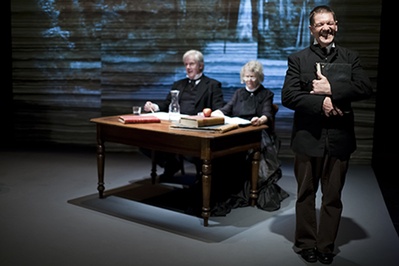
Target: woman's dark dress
{"type": "Point", "coordinates": [246, 105]}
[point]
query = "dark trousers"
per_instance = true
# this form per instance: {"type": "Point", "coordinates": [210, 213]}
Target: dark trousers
{"type": "Point", "coordinates": [313, 230]}
{"type": "Point", "coordinates": [171, 162]}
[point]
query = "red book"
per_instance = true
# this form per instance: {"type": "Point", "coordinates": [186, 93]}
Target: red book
{"type": "Point", "coordinates": [135, 119]}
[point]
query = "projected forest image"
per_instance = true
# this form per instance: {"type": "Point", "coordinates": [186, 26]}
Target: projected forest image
{"type": "Point", "coordinates": [75, 60]}
{"type": "Point", "coordinates": [138, 44]}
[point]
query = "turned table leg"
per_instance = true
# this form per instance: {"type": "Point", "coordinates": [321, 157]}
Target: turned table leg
{"type": "Point", "coordinates": [100, 169]}
{"type": "Point", "coordinates": [206, 190]}
{"type": "Point", "coordinates": [253, 193]}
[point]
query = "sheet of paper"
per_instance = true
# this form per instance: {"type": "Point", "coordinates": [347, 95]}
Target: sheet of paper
{"type": "Point", "coordinates": [228, 120]}
{"type": "Point", "coordinates": [236, 120]}
{"type": "Point", "coordinates": [161, 115]}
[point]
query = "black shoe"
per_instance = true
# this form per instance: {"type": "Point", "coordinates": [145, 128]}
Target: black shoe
{"type": "Point", "coordinates": [309, 254]}
{"type": "Point", "coordinates": [165, 178]}
{"type": "Point", "coordinates": [325, 258]}
{"type": "Point", "coordinates": [171, 167]}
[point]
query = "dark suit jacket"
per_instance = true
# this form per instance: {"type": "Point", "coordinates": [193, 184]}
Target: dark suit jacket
{"type": "Point", "coordinates": [209, 95]}
{"type": "Point", "coordinates": [313, 133]}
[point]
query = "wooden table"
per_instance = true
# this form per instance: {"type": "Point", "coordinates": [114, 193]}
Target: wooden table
{"type": "Point", "coordinates": [160, 137]}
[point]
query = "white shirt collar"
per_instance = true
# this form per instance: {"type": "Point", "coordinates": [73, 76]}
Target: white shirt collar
{"type": "Point", "coordinates": [197, 77]}
{"type": "Point", "coordinates": [331, 45]}
{"type": "Point", "coordinates": [249, 90]}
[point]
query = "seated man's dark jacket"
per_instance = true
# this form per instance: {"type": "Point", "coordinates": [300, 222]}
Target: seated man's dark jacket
{"type": "Point", "coordinates": [209, 95]}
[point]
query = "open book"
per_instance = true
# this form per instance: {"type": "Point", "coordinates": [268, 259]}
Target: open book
{"type": "Point", "coordinates": [237, 120]}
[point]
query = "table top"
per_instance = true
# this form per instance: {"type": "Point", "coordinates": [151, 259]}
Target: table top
{"type": "Point", "coordinates": [164, 126]}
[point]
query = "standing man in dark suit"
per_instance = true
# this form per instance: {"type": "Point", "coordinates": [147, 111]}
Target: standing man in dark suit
{"type": "Point", "coordinates": [196, 92]}
{"type": "Point", "coordinates": [323, 135]}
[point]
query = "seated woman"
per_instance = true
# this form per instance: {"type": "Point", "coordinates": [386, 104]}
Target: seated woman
{"type": "Point", "coordinates": [254, 102]}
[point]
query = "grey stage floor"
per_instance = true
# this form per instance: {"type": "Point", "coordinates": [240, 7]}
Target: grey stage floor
{"type": "Point", "coordinates": [51, 215]}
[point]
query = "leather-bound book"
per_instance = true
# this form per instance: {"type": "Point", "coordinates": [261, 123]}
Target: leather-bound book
{"type": "Point", "coordinates": [201, 121]}
{"type": "Point", "coordinates": [336, 71]}
{"type": "Point", "coordinates": [136, 119]}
